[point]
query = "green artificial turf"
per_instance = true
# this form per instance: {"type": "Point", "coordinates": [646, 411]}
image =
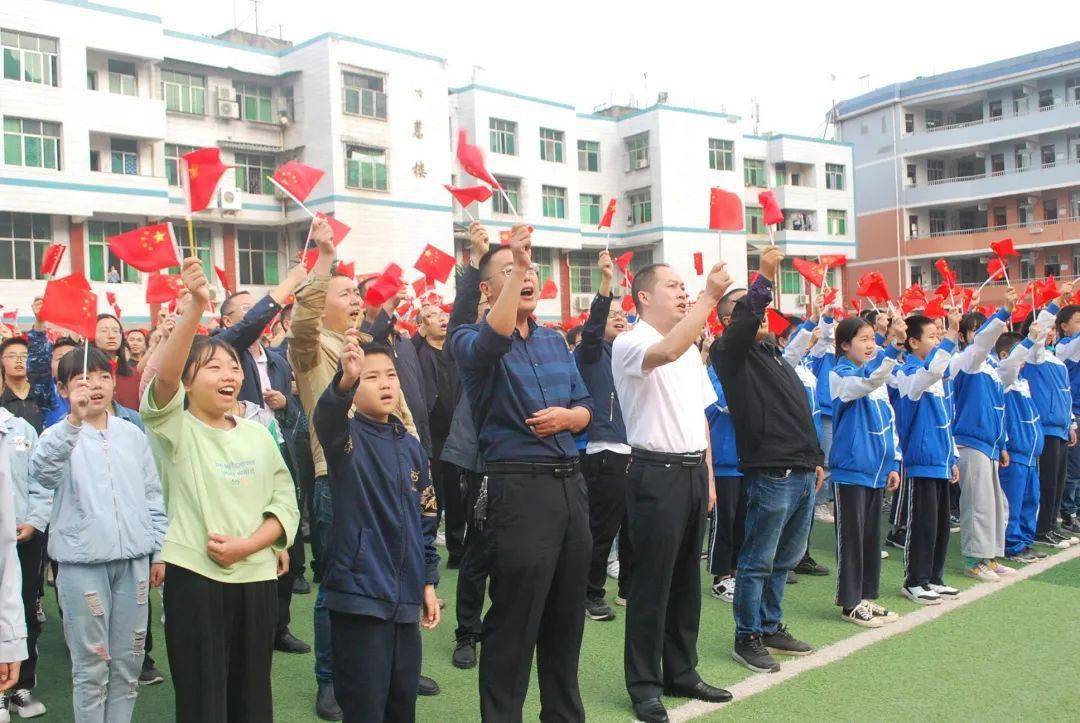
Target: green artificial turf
{"type": "Point", "coordinates": [1006, 630]}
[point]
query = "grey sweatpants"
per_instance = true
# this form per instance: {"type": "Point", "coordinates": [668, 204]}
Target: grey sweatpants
{"type": "Point", "coordinates": [984, 510]}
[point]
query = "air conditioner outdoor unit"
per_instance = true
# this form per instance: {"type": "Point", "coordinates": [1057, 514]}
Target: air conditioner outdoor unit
{"type": "Point", "coordinates": [228, 109]}
{"type": "Point", "coordinates": [229, 198]}
{"type": "Point", "coordinates": [581, 302]}
{"type": "Point", "coordinates": [802, 300]}
{"type": "Point", "coordinates": [283, 112]}
{"type": "Point", "coordinates": [641, 163]}
{"type": "Point", "coordinates": [224, 92]}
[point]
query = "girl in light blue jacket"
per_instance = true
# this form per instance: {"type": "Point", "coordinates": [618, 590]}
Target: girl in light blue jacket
{"type": "Point", "coordinates": [107, 526]}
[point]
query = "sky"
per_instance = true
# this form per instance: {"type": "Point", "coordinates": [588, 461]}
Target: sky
{"type": "Point", "coordinates": [790, 59]}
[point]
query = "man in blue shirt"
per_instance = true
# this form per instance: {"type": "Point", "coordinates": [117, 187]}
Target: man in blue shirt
{"type": "Point", "coordinates": [528, 401]}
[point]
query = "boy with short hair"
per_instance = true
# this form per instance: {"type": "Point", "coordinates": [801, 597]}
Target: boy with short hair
{"type": "Point", "coordinates": [381, 567]}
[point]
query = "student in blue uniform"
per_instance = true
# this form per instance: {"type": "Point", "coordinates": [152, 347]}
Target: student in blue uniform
{"type": "Point", "coordinates": [866, 462]}
{"type": "Point", "coordinates": [381, 566]}
{"type": "Point", "coordinates": [729, 513]}
{"type": "Point", "coordinates": [1068, 351]}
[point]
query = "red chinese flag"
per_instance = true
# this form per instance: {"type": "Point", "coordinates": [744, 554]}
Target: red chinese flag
{"type": "Point", "coordinates": [550, 290]}
{"type": "Point", "coordinates": [715, 327]}
{"type": "Point", "coordinates": [504, 238]}
{"type": "Point", "coordinates": [778, 323]}
{"type": "Point", "coordinates": [110, 297]}
{"type": "Point", "coordinates": [204, 170]}
{"type": "Point", "coordinates": [699, 263]}
{"type": "Point", "coordinates": [337, 228]}
{"type": "Point", "coordinates": [1021, 311]}
{"type": "Point", "coordinates": [346, 269]}
{"type": "Point", "coordinates": [628, 303]}
{"type": "Point", "coordinates": [856, 305]}
{"type": "Point", "coordinates": [311, 257]}
{"type": "Point", "coordinates": [609, 214]}
{"type": "Point", "coordinates": [832, 261]}
{"type": "Point", "coordinates": [466, 195]}
{"type": "Point", "coordinates": [912, 298]}
{"type": "Point", "coordinates": [1003, 248]}
{"type": "Point", "coordinates": [50, 262]}
{"type": "Point", "coordinates": [770, 208]}
{"type": "Point", "coordinates": [1048, 291]}
{"type": "Point", "coordinates": [725, 211]}
{"type": "Point", "coordinates": [814, 273]}
{"type": "Point", "coordinates": [435, 264]}
{"type": "Point", "coordinates": [297, 179]}
{"type": "Point", "coordinates": [948, 276]}
{"type": "Point", "coordinates": [966, 296]}
{"type": "Point", "coordinates": [379, 291]}
{"type": "Point", "coordinates": [222, 277]}
{"type": "Point", "coordinates": [162, 288]}
{"type": "Point", "coordinates": [934, 309]}
{"type": "Point", "coordinates": [872, 285]}
{"type": "Point", "coordinates": [995, 267]}
{"type": "Point", "coordinates": [69, 304]}
{"type": "Point", "coordinates": [623, 261]}
{"type": "Point", "coordinates": [471, 159]}
{"type": "Point", "coordinates": [150, 248]}
{"type": "Point", "coordinates": [830, 296]}
{"type": "Point", "coordinates": [419, 286]}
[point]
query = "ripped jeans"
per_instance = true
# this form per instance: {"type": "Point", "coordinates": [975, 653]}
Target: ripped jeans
{"type": "Point", "coordinates": [105, 627]}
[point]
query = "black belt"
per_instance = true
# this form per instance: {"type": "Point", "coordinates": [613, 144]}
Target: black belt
{"type": "Point", "coordinates": [567, 468]}
{"type": "Point", "coordinates": [691, 459]}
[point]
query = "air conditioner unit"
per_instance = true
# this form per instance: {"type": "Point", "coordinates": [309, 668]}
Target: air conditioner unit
{"type": "Point", "coordinates": [229, 198]}
{"type": "Point", "coordinates": [581, 302]}
{"type": "Point", "coordinates": [224, 92]}
{"type": "Point", "coordinates": [640, 163]}
{"type": "Point", "coordinates": [802, 300]}
{"type": "Point", "coordinates": [228, 109]}
{"type": "Point", "coordinates": [283, 112]}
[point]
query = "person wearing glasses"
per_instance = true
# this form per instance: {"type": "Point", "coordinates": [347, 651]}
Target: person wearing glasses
{"type": "Point", "coordinates": [20, 397]}
{"type": "Point", "coordinates": [528, 400]}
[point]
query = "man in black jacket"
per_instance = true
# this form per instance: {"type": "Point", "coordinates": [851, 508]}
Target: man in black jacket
{"type": "Point", "coordinates": [780, 456]}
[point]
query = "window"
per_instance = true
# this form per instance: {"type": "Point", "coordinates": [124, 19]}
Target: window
{"type": "Point", "coordinates": [837, 223]}
{"type": "Point", "coordinates": [254, 102]}
{"type": "Point", "coordinates": [781, 177]}
{"type": "Point", "coordinates": [1048, 156]}
{"type": "Point", "coordinates": [1027, 266]}
{"type": "Point", "coordinates": [755, 220]}
{"type": "Point", "coordinates": [637, 152]}
{"type": "Point", "coordinates": [995, 110]}
{"type": "Point", "coordinates": [834, 176]}
{"type": "Point", "coordinates": [911, 173]}
{"type": "Point", "coordinates": [91, 80]}
{"type": "Point", "coordinates": [1050, 210]}
{"type": "Point", "coordinates": [590, 209]}
{"type": "Point", "coordinates": [31, 143]}
{"type": "Point", "coordinates": [183, 92]}
{"type": "Point", "coordinates": [124, 155]}
{"type": "Point", "coordinates": [965, 167]}
{"type": "Point", "coordinates": [23, 240]}
{"type": "Point", "coordinates": [1024, 215]}
{"type": "Point", "coordinates": [1021, 156]}
{"type": "Point", "coordinates": [202, 249]}
{"type": "Point", "coordinates": [29, 58]}
{"type": "Point", "coordinates": [935, 170]}
{"type": "Point", "coordinates": [545, 259]}
{"type": "Point", "coordinates": [997, 164]}
{"type": "Point", "coordinates": [790, 280]}
{"type": "Point", "coordinates": [173, 153]}
{"type": "Point", "coordinates": [1052, 265]}
{"type": "Point", "coordinates": [913, 226]}
{"type": "Point", "coordinates": [933, 119]}
{"type": "Point", "coordinates": [122, 78]}
{"type": "Point", "coordinates": [754, 172]}
{"type": "Point", "coordinates": [1074, 204]}
{"type": "Point", "coordinates": [104, 264]}
{"type": "Point", "coordinates": [640, 206]}
{"type": "Point", "coordinates": [503, 136]}
{"type": "Point", "coordinates": [916, 272]}
{"type": "Point", "coordinates": [1076, 263]}
{"type": "Point", "coordinates": [909, 123]}
{"type": "Point", "coordinates": [365, 95]}
{"type": "Point", "coordinates": [551, 145]}
{"type": "Point", "coordinates": [258, 252]}
{"type": "Point", "coordinates": [588, 156]}
{"type": "Point", "coordinates": [252, 173]}
{"type": "Point", "coordinates": [554, 201]}
{"type": "Point", "coordinates": [365, 168]}
{"type": "Point", "coordinates": [1046, 99]}
{"type": "Point", "coordinates": [937, 221]}
{"type": "Point", "coordinates": [721, 154]}
{"type": "Point", "coordinates": [95, 160]}
{"type": "Point", "coordinates": [1000, 217]}
{"type": "Point", "coordinates": [290, 102]}
{"type": "Point", "coordinates": [512, 187]}
{"type": "Point", "coordinates": [1020, 102]}
{"type": "Point", "coordinates": [584, 273]}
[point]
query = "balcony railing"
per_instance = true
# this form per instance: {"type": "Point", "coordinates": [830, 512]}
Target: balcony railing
{"type": "Point", "coordinates": [995, 119]}
{"type": "Point", "coordinates": [1004, 227]}
{"type": "Point", "coordinates": [984, 174]}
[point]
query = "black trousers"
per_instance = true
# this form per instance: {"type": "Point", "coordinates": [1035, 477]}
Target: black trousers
{"type": "Point", "coordinates": [1052, 464]}
{"type": "Point", "coordinates": [928, 504]}
{"type": "Point", "coordinates": [898, 510]}
{"type": "Point", "coordinates": [220, 640]}
{"type": "Point", "coordinates": [626, 558]}
{"type": "Point", "coordinates": [285, 582]}
{"type": "Point", "coordinates": [728, 525]}
{"type": "Point", "coordinates": [666, 505]}
{"type": "Point", "coordinates": [605, 477]}
{"type": "Point", "coordinates": [475, 567]}
{"type": "Point", "coordinates": [858, 544]}
{"type": "Point", "coordinates": [30, 554]}
{"type": "Point", "coordinates": [450, 492]}
{"type": "Point", "coordinates": [376, 668]}
{"type": "Point", "coordinates": [538, 527]}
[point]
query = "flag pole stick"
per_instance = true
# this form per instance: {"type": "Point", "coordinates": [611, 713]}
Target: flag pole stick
{"type": "Point", "coordinates": [185, 184]}
{"type": "Point", "coordinates": [509, 202]}
{"type": "Point", "coordinates": [988, 280]}
{"type": "Point", "coordinates": [295, 200]}
{"type": "Point", "coordinates": [472, 219]}
{"type": "Point", "coordinates": [85, 356]}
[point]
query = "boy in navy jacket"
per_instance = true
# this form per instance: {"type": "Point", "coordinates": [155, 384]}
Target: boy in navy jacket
{"type": "Point", "coordinates": [381, 567]}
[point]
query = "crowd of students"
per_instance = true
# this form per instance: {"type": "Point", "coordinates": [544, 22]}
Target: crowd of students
{"type": "Point", "coordinates": [198, 459]}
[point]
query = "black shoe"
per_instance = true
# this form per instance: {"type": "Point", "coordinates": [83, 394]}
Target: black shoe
{"type": "Point", "coordinates": [1050, 540]}
{"type": "Point", "coordinates": [783, 643]}
{"type": "Point", "coordinates": [810, 566]}
{"type": "Point", "coordinates": [791, 577]}
{"type": "Point", "coordinates": [598, 610]}
{"type": "Point", "coordinates": [650, 710]}
{"type": "Point", "coordinates": [1071, 524]}
{"type": "Point", "coordinates": [464, 654]}
{"type": "Point", "coordinates": [700, 691]}
{"type": "Point", "coordinates": [150, 675]}
{"type": "Point", "coordinates": [1037, 554]}
{"type": "Point", "coordinates": [427, 686]}
{"type": "Point", "coordinates": [300, 586]}
{"type": "Point", "coordinates": [326, 706]}
{"type": "Point", "coordinates": [286, 642]}
{"type": "Point", "coordinates": [316, 577]}
{"type": "Point", "coordinates": [751, 652]}
{"type": "Point", "coordinates": [896, 538]}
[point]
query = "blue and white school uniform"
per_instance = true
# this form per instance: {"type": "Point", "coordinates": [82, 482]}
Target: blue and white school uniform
{"type": "Point", "coordinates": [1020, 480]}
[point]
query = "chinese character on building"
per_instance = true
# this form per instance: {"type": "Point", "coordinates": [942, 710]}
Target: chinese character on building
{"type": "Point", "coordinates": [418, 129]}
{"type": "Point", "coordinates": [418, 170]}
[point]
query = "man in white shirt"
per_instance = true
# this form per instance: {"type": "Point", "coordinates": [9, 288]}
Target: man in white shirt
{"type": "Point", "coordinates": [663, 387]}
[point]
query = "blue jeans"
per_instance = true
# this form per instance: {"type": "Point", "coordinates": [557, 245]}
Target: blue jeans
{"type": "Point", "coordinates": [324, 515]}
{"type": "Point", "coordinates": [778, 515]}
{"type": "Point", "coordinates": [1070, 503]}
{"type": "Point", "coordinates": [826, 494]}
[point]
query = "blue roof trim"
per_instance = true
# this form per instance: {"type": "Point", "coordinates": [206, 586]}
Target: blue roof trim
{"type": "Point", "coordinates": [336, 198]}
{"type": "Point", "coordinates": [303, 44]}
{"type": "Point", "coordinates": [963, 76]}
{"type": "Point", "coordinates": [87, 187]}
{"type": "Point", "coordinates": [807, 139]}
{"type": "Point", "coordinates": [98, 7]}
{"type": "Point", "coordinates": [509, 94]}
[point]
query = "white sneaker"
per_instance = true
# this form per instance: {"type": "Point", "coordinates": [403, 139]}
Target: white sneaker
{"type": "Point", "coordinates": [5, 702]}
{"type": "Point", "coordinates": [613, 569]}
{"type": "Point", "coordinates": [884, 554]}
{"type": "Point", "coordinates": [25, 705]}
{"type": "Point", "coordinates": [724, 589]}
{"type": "Point", "coordinates": [944, 590]}
{"type": "Point", "coordinates": [921, 595]}
{"type": "Point", "coordinates": [884, 614]}
{"type": "Point", "coordinates": [862, 615]}
{"type": "Point", "coordinates": [620, 601]}
{"type": "Point", "coordinates": [981, 573]}
{"type": "Point", "coordinates": [998, 569]}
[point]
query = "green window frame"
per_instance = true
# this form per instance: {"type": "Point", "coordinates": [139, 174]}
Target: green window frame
{"type": "Point", "coordinates": [837, 223]}
{"type": "Point", "coordinates": [31, 143]}
{"type": "Point", "coordinates": [184, 92]}
{"type": "Point", "coordinates": [551, 145]}
{"type": "Point", "coordinates": [589, 204]}
{"type": "Point", "coordinates": [365, 168]}
{"type": "Point", "coordinates": [554, 201]}
{"type": "Point", "coordinates": [834, 176]}
{"type": "Point", "coordinates": [588, 155]}
{"type": "Point", "coordinates": [124, 156]}
{"type": "Point", "coordinates": [364, 94]}
{"type": "Point", "coordinates": [755, 220]}
{"type": "Point", "coordinates": [100, 259]}
{"type": "Point", "coordinates": [203, 247]}
{"type": "Point", "coordinates": [640, 206]}
{"type": "Point", "coordinates": [253, 172]}
{"type": "Point", "coordinates": [584, 272]}
{"type": "Point", "coordinates": [173, 153]}
{"type": "Point", "coordinates": [754, 172]}
{"type": "Point", "coordinates": [23, 240]}
{"type": "Point", "coordinates": [254, 101]}
{"type": "Point", "coordinates": [122, 78]}
{"type": "Point", "coordinates": [637, 152]}
{"type": "Point", "coordinates": [721, 154]}
{"type": "Point", "coordinates": [512, 188]}
{"type": "Point", "coordinates": [790, 280]}
{"type": "Point", "coordinates": [258, 254]}
{"type": "Point", "coordinates": [502, 136]}
{"type": "Point", "coordinates": [29, 58]}
{"type": "Point", "coordinates": [545, 259]}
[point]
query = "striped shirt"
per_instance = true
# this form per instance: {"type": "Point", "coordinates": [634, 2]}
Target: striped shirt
{"type": "Point", "coordinates": [509, 379]}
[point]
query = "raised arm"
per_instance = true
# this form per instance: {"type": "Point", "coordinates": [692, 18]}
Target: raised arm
{"type": "Point", "coordinates": [849, 387]}
{"type": "Point", "coordinates": [332, 410]}
{"type": "Point", "coordinates": [798, 345]}
{"type": "Point", "coordinates": [175, 353]}
{"type": "Point", "coordinates": [686, 332]}
{"type": "Point", "coordinates": [1008, 369]}
{"type": "Point", "coordinates": [467, 280]}
{"type": "Point", "coordinates": [741, 333]}
{"type": "Point", "coordinates": [592, 333]}
{"type": "Point", "coordinates": [972, 357]}
{"type": "Point", "coordinates": [248, 330]}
